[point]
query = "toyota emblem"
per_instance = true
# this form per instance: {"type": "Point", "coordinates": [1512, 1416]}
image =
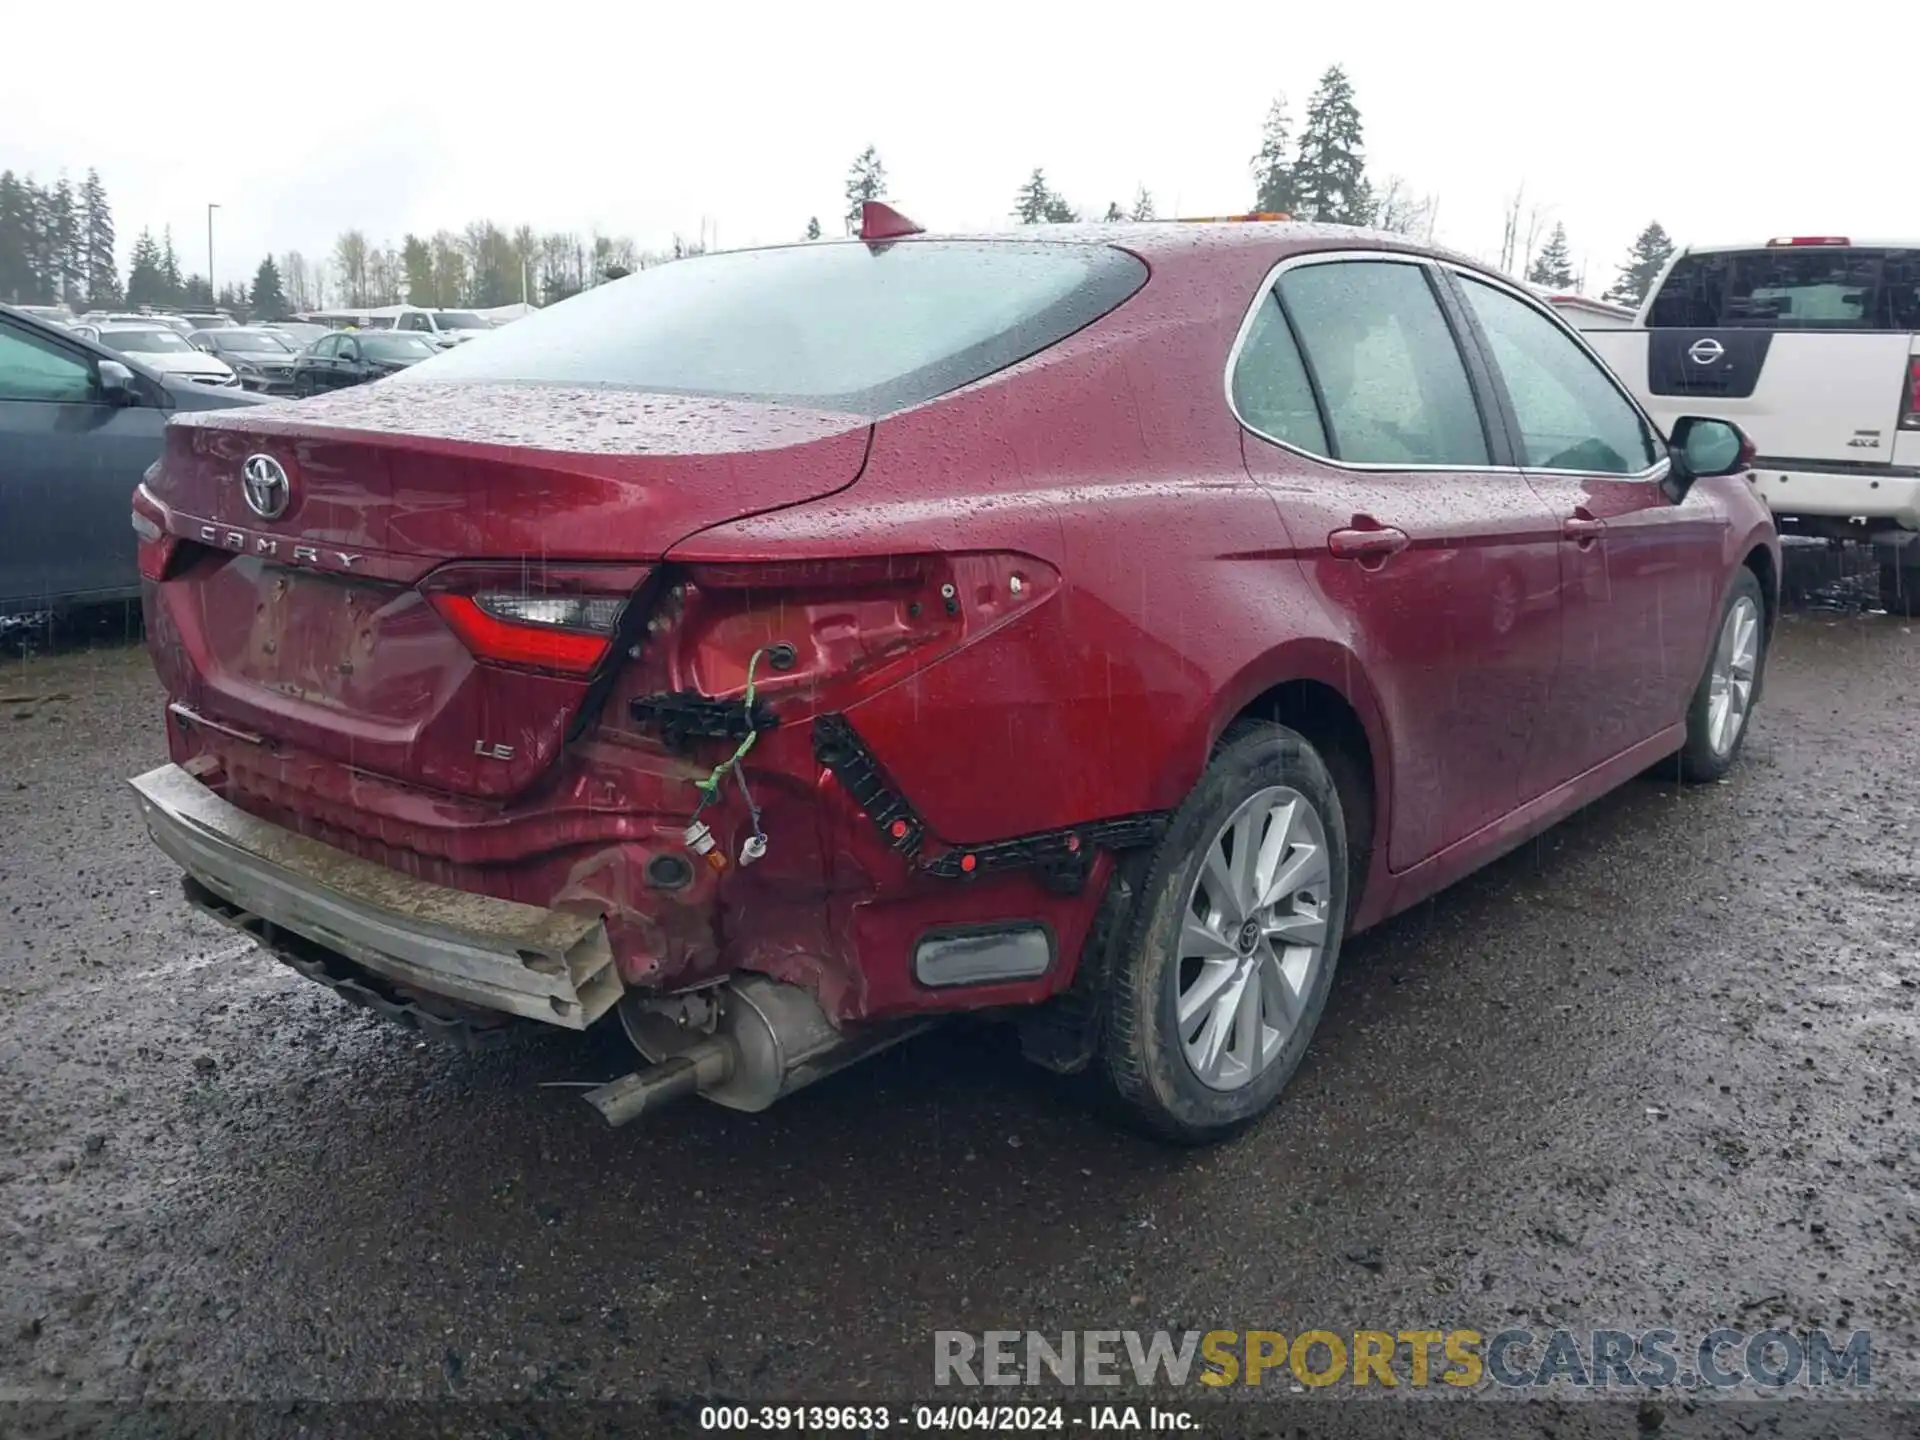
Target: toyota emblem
{"type": "Point", "coordinates": [266, 485]}
{"type": "Point", "coordinates": [1705, 351]}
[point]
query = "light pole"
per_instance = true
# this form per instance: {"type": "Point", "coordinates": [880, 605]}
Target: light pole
{"type": "Point", "coordinates": [212, 206]}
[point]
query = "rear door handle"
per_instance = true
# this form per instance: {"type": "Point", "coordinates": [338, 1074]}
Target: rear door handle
{"type": "Point", "coordinates": [1372, 544]}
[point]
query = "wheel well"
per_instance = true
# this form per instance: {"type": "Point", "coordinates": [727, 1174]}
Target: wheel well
{"type": "Point", "coordinates": [1323, 716]}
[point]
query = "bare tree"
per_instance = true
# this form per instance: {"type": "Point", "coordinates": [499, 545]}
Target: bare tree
{"type": "Point", "coordinates": [1521, 236]}
{"type": "Point", "coordinates": [350, 260]}
{"type": "Point", "coordinates": [1398, 209]}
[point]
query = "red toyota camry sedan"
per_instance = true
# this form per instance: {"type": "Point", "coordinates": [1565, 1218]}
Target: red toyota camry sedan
{"type": "Point", "coordinates": [779, 650]}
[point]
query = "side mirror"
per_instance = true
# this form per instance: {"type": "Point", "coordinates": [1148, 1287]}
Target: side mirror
{"type": "Point", "coordinates": [117, 383]}
{"type": "Point", "coordinates": [1702, 448]}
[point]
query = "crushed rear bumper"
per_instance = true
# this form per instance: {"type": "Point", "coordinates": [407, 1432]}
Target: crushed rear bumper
{"type": "Point", "coordinates": [550, 965]}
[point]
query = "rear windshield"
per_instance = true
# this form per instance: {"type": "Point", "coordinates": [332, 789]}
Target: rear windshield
{"type": "Point", "coordinates": [840, 327]}
{"type": "Point", "coordinates": [1811, 287]}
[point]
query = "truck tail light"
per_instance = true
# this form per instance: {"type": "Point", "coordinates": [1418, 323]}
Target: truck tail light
{"type": "Point", "coordinates": [558, 619]}
{"type": "Point", "coordinates": [1910, 396]}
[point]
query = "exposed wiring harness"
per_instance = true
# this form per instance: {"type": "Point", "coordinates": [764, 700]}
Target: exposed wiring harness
{"type": "Point", "coordinates": [699, 839]}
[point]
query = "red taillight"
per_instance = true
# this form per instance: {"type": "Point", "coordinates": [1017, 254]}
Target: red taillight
{"type": "Point", "coordinates": [1808, 240]}
{"type": "Point", "coordinates": [536, 644]}
{"type": "Point", "coordinates": [1910, 400]}
{"type": "Point", "coordinates": [154, 548]}
{"type": "Point", "coordinates": [561, 619]}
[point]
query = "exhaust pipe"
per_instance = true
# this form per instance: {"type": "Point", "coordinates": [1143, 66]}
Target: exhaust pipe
{"type": "Point", "coordinates": [769, 1040]}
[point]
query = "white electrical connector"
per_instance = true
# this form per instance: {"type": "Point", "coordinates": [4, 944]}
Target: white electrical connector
{"type": "Point", "coordinates": [755, 847]}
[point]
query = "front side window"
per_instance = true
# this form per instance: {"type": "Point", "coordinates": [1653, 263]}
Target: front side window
{"type": "Point", "coordinates": [1393, 388]}
{"type": "Point", "coordinates": [859, 329]}
{"type": "Point", "coordinates": [32, 369]}
{"type": "Point", "coordinates": [1271, 391]}
{"type": "Point", "coordinates": [1570, 414]}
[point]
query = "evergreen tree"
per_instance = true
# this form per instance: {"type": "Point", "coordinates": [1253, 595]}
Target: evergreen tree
{"type": "Point", "coordinates": [170, 270]}
{"type": "Point", "coordinates": [1142, 205]}
{"type": "Point", "coordinates": [269, 299]}
{"type": "Point", "coordinates": [417, 261]}
{"type": "Point", "coordinates": [813, 228]}
{"type": "Point", "coordinates": [16, 240]}
{"type": "Point", "coordinates": [147, 279]}
{"type": "Point", "coordinates": [43, 247]}
{"type": "Point", "coordinates": [1114, 212]}
{"type": "Point", "coordinates": [1554, 264]}
{"type": "Point", "coordinates": [97, 241]}
{"type": "Point", "coordinates": [196, 293]}
{"type": "Point", "coordinates": [867, 180]}
{"type": "Point", "coordinates": [1649, 256]}
{"type": "Point", "coordinates": [1037, 203]}
{"type": "Point", "coordinates": [64, 233]}
{"type": "Point", "coordinates": [1329, 175]}
{"type": "Point", "coordinates": [1273, 180]}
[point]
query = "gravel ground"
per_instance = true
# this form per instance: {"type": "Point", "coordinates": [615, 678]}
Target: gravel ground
{"type": "Point", "coordinates": [1659, 1068]}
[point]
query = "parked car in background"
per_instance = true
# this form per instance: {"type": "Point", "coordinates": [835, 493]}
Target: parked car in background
{"type": "Point", "coordinates": [51, 314]}
{"type": "Point", "coordinates": [1116, 630]}
{"type": "Point", "coordinates": [262, 357]}
{"type": "Point", "coordinates": [78, 426]}
{"type": "Point", "coordinates": [445, 328]}
{"type": "Point", "coordinates": [1812, 344]}
{"type": "Point", "coordinates": [353, 357]}
{"type": "Point", "coordinates": [303, 333]}
{"type": "Point", "coordinates": [161, 348]}
{"type": "Point", "coordinates": [208, 319]}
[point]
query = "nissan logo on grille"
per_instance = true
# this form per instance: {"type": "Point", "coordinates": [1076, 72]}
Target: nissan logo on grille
{"type": "Point", "coordinates": [1705, 351]}
{"type": "Point", "coordinates": [266, 486]}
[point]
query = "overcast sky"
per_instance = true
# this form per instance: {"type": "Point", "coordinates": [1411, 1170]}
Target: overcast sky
{"type": "Point", "coordinates": [645, 119]}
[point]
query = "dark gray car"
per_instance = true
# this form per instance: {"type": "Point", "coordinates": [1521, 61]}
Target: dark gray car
{"type": "Point", "coordinates": [79, 425]}
{"type": "Point", "coordinates": [261, 357]}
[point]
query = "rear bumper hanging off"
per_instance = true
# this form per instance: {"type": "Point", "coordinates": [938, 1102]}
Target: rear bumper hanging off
{"type": "Point", "coordinates": [524, 960]}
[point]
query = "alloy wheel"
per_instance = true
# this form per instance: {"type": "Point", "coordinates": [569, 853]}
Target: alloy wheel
{"type": "Point", "coordinates": [1253, 937]}
{"type": "Point", "coordinates": [1736, 660]}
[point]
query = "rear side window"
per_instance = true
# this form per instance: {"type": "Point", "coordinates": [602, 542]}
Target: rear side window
{"type": "Point", "coordinates": [846, 327]}
{"type": "Point", "coordinates": [1800, 287]}
{"type": "Point", "coordinates": [1271, 391]}
{"type": "Point", "coordinates": [1570, 415]}
{"type": "Point", "coordinates": [1393, 389]}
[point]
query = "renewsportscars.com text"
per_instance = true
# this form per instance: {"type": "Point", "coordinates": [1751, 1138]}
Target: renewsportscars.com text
{"type": "Point", "coordinates": [1461, 1359]}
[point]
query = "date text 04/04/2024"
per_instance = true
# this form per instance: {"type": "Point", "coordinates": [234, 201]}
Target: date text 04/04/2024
{"type": "Point", "coordinates": [856, 1419]}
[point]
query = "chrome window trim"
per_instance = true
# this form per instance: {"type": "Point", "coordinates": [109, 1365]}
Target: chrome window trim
{"type": "Point", "coordinates": [1655, 472]}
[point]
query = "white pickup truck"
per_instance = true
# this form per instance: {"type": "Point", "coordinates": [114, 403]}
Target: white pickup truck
{"type": "Point", "coordinates": [1811, 344]}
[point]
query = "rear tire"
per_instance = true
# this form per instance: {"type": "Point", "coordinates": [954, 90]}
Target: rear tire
{"type": "Point", "coordinates": [1226, 973]}
{"type": "Point", "coordinates": [1900, 589]}
{"type": "Point", "coordinates": [1722, 708]}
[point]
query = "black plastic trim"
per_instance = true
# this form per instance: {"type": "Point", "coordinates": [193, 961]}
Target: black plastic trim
{"type": "Point", "coordinates": [1063, 857]}
{"type": "Point", "coordinates": [683, 716]}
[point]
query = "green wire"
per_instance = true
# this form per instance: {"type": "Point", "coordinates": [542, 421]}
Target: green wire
{"type": "Point", "coordinates": [710, 787]}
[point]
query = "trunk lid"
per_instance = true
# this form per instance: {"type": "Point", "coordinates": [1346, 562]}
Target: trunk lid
{"type": "Point", "coordinates": [307, 629]}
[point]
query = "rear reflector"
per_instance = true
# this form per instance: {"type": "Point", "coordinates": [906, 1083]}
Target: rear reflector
{"type": "Point", "coordinates": [1809, 240]}
{"type": "Point", "coordinates": [983, 957]}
